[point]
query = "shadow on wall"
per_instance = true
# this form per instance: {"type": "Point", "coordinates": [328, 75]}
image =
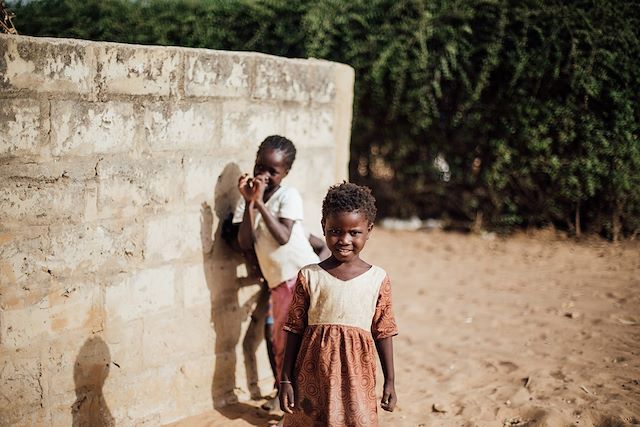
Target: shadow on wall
{"type": "Point", "coordinates": [89, 374]}
{"type": "Point", "coordinates": [220, 264]}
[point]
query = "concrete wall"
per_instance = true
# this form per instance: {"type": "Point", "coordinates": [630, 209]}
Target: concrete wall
{"type": "Point", "coordinates": [118, 300]}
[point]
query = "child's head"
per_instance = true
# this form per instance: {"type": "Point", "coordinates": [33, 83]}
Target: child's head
{"type": "Point", "coordinates": [280, 144]}
{"type": "Point", "coordinates": [349, 197]}
{"type": "Point", "coordinates": [348, 213]}
{"type": "Point", "coordinates": [274, 159]}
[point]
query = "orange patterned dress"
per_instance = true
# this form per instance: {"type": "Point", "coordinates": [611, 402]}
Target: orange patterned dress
{"type": "Point", "coordinates": [335, 371]}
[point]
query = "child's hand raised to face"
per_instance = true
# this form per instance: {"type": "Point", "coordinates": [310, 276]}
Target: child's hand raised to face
{"type": "Point", "coordinates": [251, 188]}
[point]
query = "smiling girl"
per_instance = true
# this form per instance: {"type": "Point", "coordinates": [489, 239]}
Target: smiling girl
{"type": "Point", "coordinates": [341, 311]}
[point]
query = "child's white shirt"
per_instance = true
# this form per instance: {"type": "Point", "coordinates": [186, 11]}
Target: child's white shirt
{"type": "Point", "coordinates": [280, 262]}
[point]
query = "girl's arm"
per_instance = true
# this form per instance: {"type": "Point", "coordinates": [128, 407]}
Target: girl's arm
{"type": "Point", "coordinates": [319, 247]}
{"type": "Point", "coordinates": [245, 232]}
{"type": "Point", "coordinates": [280, 228]}
{"type": "Point", "coordinates": [385, 353]}
{"type": "Point", "coordinates": [285, 391]}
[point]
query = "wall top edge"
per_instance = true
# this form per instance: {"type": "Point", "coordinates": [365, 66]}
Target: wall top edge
{"type": "Point", "coordinates": [82, 43]}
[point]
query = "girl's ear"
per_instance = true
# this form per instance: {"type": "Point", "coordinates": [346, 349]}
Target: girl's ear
{"type": "Point", "coordinates": [322, 225]}
{"type": "Point", "coordinates": [370, 226]}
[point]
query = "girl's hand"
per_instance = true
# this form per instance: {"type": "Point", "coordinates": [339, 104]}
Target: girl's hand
{"type": "Point", "coordinates": [244, 186]}
{"type": "Point", "coordinates": [259, 186]}
{"type": "Point", "coordinates": [389, 397]}
{"type": "Point", "coordinates": [286, 397]}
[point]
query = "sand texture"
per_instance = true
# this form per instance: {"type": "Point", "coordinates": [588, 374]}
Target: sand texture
{"type": "Point", "coordinates": [529, 330]}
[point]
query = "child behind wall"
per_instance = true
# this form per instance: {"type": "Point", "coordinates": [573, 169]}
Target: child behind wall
{"type": "Point", "coordinates": [341, 312]}
{"type": "Point", "coordinates": [270, 219]}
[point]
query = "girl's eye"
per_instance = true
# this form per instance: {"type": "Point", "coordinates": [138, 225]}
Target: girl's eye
{"type": "Point", "coordinates": [355, 233]}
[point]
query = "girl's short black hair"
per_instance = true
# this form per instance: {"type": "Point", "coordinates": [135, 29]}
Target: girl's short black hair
{"type": "Point", "coordinates": [349, 197]}
{"type": "Point", "coordinates": [280, 143]}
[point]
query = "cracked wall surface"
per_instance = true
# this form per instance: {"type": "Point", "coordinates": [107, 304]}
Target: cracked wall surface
{"type": "Point", "coordinates": [119, 302]}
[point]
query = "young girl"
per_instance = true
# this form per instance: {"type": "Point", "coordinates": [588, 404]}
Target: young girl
{"type": "Point", "coordinates": [270, 217]}
{"type": "Point", "coordinates": [341, 309]}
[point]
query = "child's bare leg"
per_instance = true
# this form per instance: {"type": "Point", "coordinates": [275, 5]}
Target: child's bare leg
{"type": "Point", "coordinates": [272, 401]}
{"type": "Point", "coordinates": [268, 337]}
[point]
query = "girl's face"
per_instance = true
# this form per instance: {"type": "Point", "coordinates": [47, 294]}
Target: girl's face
{"type": "Point", "coordinates": [272, 164]}
{"type": "Point", "coordinates": [346, 234]}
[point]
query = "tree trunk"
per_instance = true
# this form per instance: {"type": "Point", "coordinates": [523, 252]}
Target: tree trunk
{"type": "Point", "coordinates": [577, 221]}
{"type": "Point", "coordinates": [616, 225]}
{"type": "Point", "coordinates": [477, 223]}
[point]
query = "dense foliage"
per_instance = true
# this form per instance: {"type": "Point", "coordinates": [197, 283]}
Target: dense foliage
{"type": "Point", "coordinates": [501, 113]}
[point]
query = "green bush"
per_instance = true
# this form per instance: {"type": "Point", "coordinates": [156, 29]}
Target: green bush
{"type": "Point", "coordinates": [534, 104]}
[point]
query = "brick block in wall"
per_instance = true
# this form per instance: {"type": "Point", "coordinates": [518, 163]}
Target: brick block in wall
{"type": "Point", "coordinates": [213, 179]}
{"type": "Point", "coordinates": [322, 81]}
{"type": "Point", "coordinates": [128, 187]}
{"type": "Point", "coordinates": [171, 126]}
{"type": "Point", "coordinates": [143, 396]}
{"type": "Point", "coordinates": [27, 416]}
{"type": "Point", "coordinates": [195, 289]}
{"type": "Point", "coordinates": [321, 129]}
{"type": "Point", "coordinates": [46, 65]}
{"type": "Point", "coordinates": [75, 361]}
{"type": "Point", "coordinates": [245, 125]}
{"type": "Point", "coordinates": [20, 383]}
{"type": "Point", "coordinates": [124, 341]}
{"type": "Point", "coordinates": [23, 261]}
{"type": "Point", "coordinates": [109, 246]}
{"type": "Point", "coordinates": [171, 337]}
{"type": "Point", "coordinates": [34, 202]}
{"type": "Point", "coordinates": [281, 80]}
{"type": "Point", "coordinates": [139, 294]}
{"type": "Point", "coordinates": [137, 70]}
{"type": "Point", "coordinates": [61, 414]}
{"type": "Point", "coordinates": [309, 127]}
{"type": "Point", "coordinates": [312, 171]}
{"type": "Point", "coordinates": [81, 128]}
{"type": "Point", "coordinates": [217, 73]}
{"type": "Point", "coordinates": [195, 384]}
{"type": "Point", "coordinates": [78, 169]}
{"type": "Point", "coordinates": [297, 126]}
{"type": "Point", "coordinates": [67, 307]}
{"type": "Point", "coordinates": [173, 237]}
{"type": "Point", "coordinates": [23, 127]}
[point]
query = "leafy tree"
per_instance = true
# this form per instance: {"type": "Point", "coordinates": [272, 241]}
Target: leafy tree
{"type": "Point", "coordinates": [532, 104]}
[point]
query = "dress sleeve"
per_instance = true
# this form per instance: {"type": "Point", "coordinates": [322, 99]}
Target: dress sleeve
{"type": "Point", "coordinates": [384, 323]}
{"type": "Point", "coordinates": [298, 311]}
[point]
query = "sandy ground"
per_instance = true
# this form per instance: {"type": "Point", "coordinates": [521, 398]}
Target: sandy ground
{"type": "Point", "coordinates": [529, 330]}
